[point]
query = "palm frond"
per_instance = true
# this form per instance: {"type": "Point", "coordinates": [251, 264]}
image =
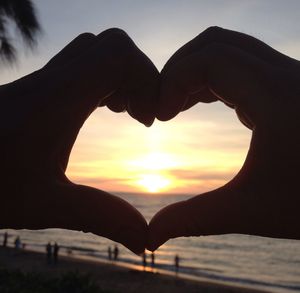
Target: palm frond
{"type": "Point", "coordinates": [26, 20]}
{"type": "Point", "coordinates": [23, 14]}
{"type": "Point", "coordinates": [7, 50]}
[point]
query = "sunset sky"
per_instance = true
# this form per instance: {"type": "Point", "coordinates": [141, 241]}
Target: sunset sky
{"type": "Point", "coordinates": [197, 151]}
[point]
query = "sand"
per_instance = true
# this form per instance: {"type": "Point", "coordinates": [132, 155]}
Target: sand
{"type": "Point", "coordinates": [112, 277]}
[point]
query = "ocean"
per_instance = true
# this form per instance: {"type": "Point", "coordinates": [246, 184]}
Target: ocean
{"type": "Point", "coordinates": [258, 262]}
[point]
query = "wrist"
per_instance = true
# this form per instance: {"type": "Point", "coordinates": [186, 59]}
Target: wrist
{"type": "Point", "coordinates": [18, 99]}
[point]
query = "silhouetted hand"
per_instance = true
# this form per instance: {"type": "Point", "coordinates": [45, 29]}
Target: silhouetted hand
{"type": "Point", "coordinates": [41, 115]}
{"type": "Point", "coordinates": [263, 87]}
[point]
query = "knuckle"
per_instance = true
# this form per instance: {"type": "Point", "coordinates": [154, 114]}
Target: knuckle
{"type": "Point", "coordinates": [113, 30]}
{"type": "Point", "coordinates": [120, 45]}
{"type": "Point", "coordinates": [213, 30]}
{"type": "Point", "coordinates": [123, 41]}
{"type": "Point", "coordinates": [116, 35]}
{"type": "Point", "coordinates": [211, 33]}
{"type": "Point", "coordinates": [86, 36]}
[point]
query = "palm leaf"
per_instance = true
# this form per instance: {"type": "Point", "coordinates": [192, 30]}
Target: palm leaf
{"type": "Point", "coordinates": [22, 13]}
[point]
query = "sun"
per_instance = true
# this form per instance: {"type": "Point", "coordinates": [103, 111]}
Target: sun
{"type": "Point", "coordinates": [154, 171]}
{"type": "Point", "coordinates": [154, 182]}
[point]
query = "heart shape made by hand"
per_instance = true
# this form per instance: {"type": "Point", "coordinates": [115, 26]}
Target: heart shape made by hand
{"type": "Point", "coordinates": [52, 104]}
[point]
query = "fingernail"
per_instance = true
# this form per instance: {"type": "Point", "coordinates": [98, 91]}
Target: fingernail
{"type": "Point", "coordinates": [149, 123]}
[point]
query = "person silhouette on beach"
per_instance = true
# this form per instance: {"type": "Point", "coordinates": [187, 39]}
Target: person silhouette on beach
{"type": "Point", "coordinates": [17, 243]}
{"type": "Point", "coordinates": [176, 263]}
{"type": "Point", "coordinates": [116, 252]}
{"type": "Point", "coordinates": [55, 253]}
{"type": "Point", "coordinates": [5, 237]}
{"type": "Point", "coordinates": [49, 253]}
{"type": "Point", "coordinates": [109, 252]}
{"type": "Point", "coordinates": [152, 260]}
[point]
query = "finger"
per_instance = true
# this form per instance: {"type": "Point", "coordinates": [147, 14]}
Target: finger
{"type": "Point", "coordinates": [228, 73]}
{"type": "Point", "coordinates": [78, 46]}
{"type": "Point", "coordinates": [139, 89]}
{"type": "Point", "coordinates": [142, 89]}
{"type": "Point", "coordinates": [98, 71]}
{"type": "Point", "coordinates": [204, 94]}
{"type": "Point", "coordinates": [87, 209]}
{"type": "Point", "coordinates": [115, 72]}
{"type": "Point", "coordinates": [85, 106]}
{"type": "Point", "coordinates": [212, 213]}
{"type": "Point", "coordinates": [239, 40]}
{"type": "Point", "coordinates": [72, 50]}
{"type": "Point", "coordinates": [117, 102]}
{"type": "Point", "coordinates": [138, 92]}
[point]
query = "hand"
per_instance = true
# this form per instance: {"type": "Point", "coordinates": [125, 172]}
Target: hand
{"type": "Point", "coordinates": [41, 116]}
{"type": "Point", "coordinates": [263, 87]}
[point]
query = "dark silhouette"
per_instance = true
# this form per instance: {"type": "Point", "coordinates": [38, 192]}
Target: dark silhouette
{"type": "Point", "coordinates": [144, 260]}
{"type": "Point", "coordinates": [116, 252]}
{"type": "Point", "coordinates": [17, 243]}
{"type": "Point", "coordinates": [252, 79]}
{"type": "Point", "coordinates": [152, 260]}
{"type": "Point", "coordinates": [109, 251]}
{"type": "Point", "coordinates": [5, 237]}
{"type": "Point", "coordinates": [176, 263]}
{"type": "Point", "coordinates": [55, 253]}
{"type": "Point", "coordinates": [49, 253]}
{"type": "Point", "coordinates": [28, 143]}
{"type": "Point", "coordinates": [23, 14]}
{"type": "Point", "coordinates": [244, 73]}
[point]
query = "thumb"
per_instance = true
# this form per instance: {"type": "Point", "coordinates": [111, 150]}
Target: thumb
{"type": "Point", "coordinates": [212, 213]}
{"type": "Point", "coordinates": [82, 208]}
{"type": "Point", "coordinates": [91, 210]}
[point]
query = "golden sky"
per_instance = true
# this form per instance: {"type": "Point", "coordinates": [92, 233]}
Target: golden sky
{"type": "Point", "coordinates": [185, 155]}
{"type": "Point", "coordinates": [197, 151]}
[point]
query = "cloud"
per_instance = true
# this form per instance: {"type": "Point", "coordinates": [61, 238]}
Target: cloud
{"type": "Point", "coordinates": [185, 174]}
{"type": "Point", "coordinates": [109, 184]}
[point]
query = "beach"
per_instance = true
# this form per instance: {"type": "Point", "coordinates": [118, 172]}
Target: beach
{"type": "Point", "coordinates": [108, 276]}
{"type": "Point", "coordinates": [234, 260]}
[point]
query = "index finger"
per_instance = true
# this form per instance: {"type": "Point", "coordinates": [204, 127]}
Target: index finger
{"type": "Point", "coordinates": [230, 74]}
{"type": "Point", "coordinates": [236, 39]}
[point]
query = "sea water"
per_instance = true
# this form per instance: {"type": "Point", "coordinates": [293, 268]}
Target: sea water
{"type": "Point", "coordinates": [264, 263]}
